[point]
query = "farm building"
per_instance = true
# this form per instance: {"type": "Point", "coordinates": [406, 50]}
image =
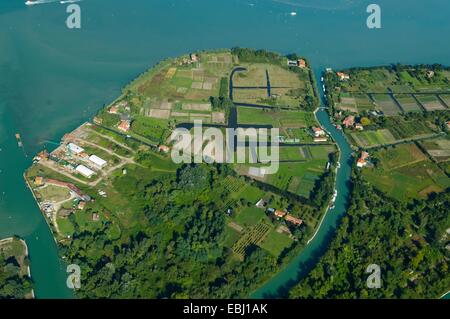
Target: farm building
{"type": "Point", "coordinates": [280, 213]}
{"type": "Point", "coordinates": [98, 161]}
{"type": "Point", "coordinates": [39, 181]}
{"type": "Point", "coordinates": [113, 110]}
{"type": "Point", "coordinates": [83, 170]}
{"type": "Point", "coordinates": [349, 121]}
{"type": "Point", "coordinates": [343, 76]}
{"type": "Point", "coordinates": [164, 148]}
{"type": "Point", "coordinates": [75, 148]}
{"type": "Point", "coordinates": [294, 220]}
{"type": "Point", "coordinates": [81, 205]}
{"type": "Point", "coordinates": [362, 161]}
{"type": "Point", "coordinates": [318, 132]}
{"type": "Point", "coordinates": [301, 63]}
{"type": "Point", "coordinates": [124, 125]}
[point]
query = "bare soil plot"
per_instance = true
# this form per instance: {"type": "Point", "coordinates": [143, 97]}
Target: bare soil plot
{"type": "Point", "coordinates": [170, 73]}
{"type": "Point", "coordinates": [408, 103]}
{"type": "Point", "coordinates": [348, 104]}
{"type": "Point", "coordinates": [198, 74]}
{"type": "Point", "coordinates": [282, 77]}
{"type": "Point", "coordinates": [197, 85]}
{"type": "Point", "coordinates": [180, 114]}
{"type": "Point", "coordinates": [197, 107]}
{"type": "Point", "coordinates": [438, 148]}
{"type": "Point", "coordinates": [198, 94]}
{"type": "Point", "coordinates": [254, 76]}
{"type": "Point", "coordinates": [387, 104]}
{"type": "Point", "coordinates": [207, 86]}
{"type": "Point", "coordinates": [202, 117]}
{"type": "Point", "coordinates": [218, 117]}
{"type": "Point", "coordinates": [446, 99]}
{"type": "Point", "coordinates": [430, 102]}
{"type": "Point", "coordinates": [159, 114]}
{"type": "Point", "coordinates": [363, 102]}
{"type": "Point", "coordinates": [249, 96]}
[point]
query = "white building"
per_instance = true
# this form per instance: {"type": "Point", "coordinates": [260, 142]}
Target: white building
{"type": "Point", "coordinates": [75, 148]}
{"type": "Point", "coordinates": [83, 170]}
{"type": "Point", "coordinates": [98, 161]}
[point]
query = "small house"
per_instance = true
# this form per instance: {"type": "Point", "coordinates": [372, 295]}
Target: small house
{"type": "Point", "coordinates": [349, 121]}
{"type": "Point", "coordinates": [81, 205]}
{"type": "Point", "coordinates": [124, 125]}
{"type": "Point", "coordinates": [39, 181]}
{"type": "Point", "coordinates": [301, 63]}
{"type": "Point", "coordinates": [279, 213]}
{"type": "Point", "coordinates": [318, 132]}
{"type": "Point", "coordinates": [164, 148]}
{"type": "Point", "coordinates": [343, 76]}
{"type": "Point", "coordinates": [113, 110]}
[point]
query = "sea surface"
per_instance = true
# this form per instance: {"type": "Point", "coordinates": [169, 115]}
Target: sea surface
{"type": "Point", "coordinates": [53, 78]}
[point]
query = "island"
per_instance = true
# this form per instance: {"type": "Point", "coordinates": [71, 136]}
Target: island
{"type": "Point", "coordinates": [372, 158]}
{"type": "Point", "coordinates": [142, 226]}
{"type": "Point", "coordinates": [15, 276]}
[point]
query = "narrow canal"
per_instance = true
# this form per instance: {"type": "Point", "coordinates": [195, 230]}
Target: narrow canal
{"type": "Point", "coordinates": [279, 285]}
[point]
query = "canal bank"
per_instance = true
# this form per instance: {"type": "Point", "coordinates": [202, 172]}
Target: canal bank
{"type": "Point", "coordinates": [279, 285]}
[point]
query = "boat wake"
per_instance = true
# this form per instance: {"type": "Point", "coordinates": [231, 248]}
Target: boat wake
{"type": "Point", "coordinates": [35, 2]}
{"type": "Point", "coordinates": [69, 1]}
{"type": "Point", "coordinates": [320, 4]}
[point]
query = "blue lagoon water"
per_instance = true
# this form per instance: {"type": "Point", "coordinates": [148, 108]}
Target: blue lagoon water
{"type": "Point", "coordinates": [53, 78]}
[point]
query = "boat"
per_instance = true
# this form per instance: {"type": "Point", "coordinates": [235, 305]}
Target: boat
{"type": "Point", "coordinates": [31, 2]}
{"type": "Point", "coordinates": [293, 13]}
{"type": "Point", "coordinates": [333, 199]}
{"type": "Point", "coordinates": [19, 139]}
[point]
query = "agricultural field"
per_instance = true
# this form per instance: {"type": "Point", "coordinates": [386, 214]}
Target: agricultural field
{"type": "Point", "coordinates": [408, 103]}
{"type": "Point", "coordinates": [404, 172]}
{"type": "Point", "coordinates": [287, 88]}
{"type": "Point", "coordinates": [298, 175]}
{"type": "Point", "coordinates": [446, 99]}
{"type": "Point", "coordinates": [438, 148]}
{"type": "Point", "coordinates": [430, 102]}
{"type": "Point", "coordinates": [386, 104]}
{"type": "Point", "coordinates": [355, 102]}
{"type": "Point", "coordinates": [367, 139]}
{"type": "Point", "coordinates": [399, 129]}
{"type": "Point", "coordinates": [275, 118]}
{"type": "Point", "coordinates": [403, 81]}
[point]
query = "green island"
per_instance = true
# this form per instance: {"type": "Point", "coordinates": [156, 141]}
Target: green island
{"type": "Point", "coordinates": [141, 226]}
{"type": "Point", "coordinates": [396, 119]}
{"type": "Point", "coordinates": [15, 277]}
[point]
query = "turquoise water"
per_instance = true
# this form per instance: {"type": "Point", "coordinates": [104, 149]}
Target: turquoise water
{"type": "Point", "coordinates": [53, 78]}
